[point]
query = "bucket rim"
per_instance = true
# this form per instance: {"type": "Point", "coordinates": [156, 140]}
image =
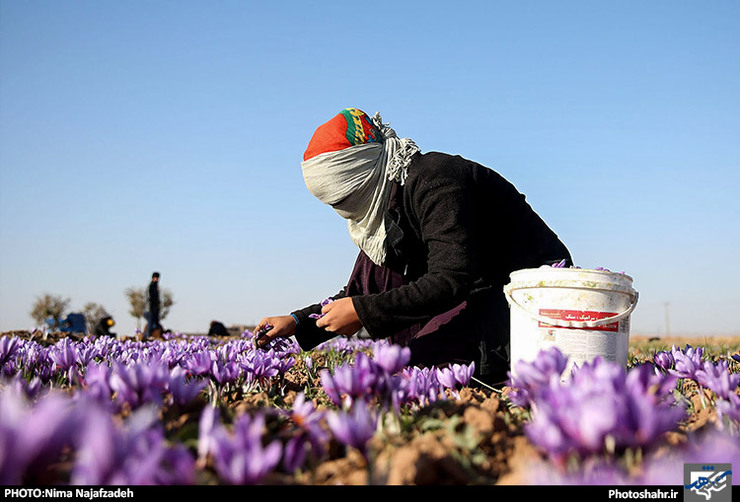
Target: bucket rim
{"type": "Point", "coordinates": [616, 288]}
{"type": "Point", "coordinates": [571, 271]}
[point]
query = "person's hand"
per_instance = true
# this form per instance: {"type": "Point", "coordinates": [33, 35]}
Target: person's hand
{"type": "Point", "coordinates": [340, 317]}
{"type": "Point", "coordinates": [282, 327]}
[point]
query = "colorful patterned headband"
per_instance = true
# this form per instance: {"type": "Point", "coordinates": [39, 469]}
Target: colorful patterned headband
{"type": "Point", "coordinates": [348, 128]}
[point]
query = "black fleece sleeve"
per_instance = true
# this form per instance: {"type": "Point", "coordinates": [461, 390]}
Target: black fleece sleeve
{"type": "Point", "coordinates": [441, 205]}
{"type": "Point", "coordinates": [307, 334]}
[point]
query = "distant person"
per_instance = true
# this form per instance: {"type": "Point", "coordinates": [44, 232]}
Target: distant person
{"type": "Point", "coordinates": [103, 326]}
{"type": "Point", "coordinates": [153, 328]}
{"type": "Point", "coordinates": [217, 329]}
{"type": "Point", "coordinates": [438, 236]}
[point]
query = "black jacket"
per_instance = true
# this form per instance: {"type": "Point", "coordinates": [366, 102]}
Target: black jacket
{"type": "Point", "coordinates": [153, 300]}
{"type": "Point", "coordinates": [455, 228]}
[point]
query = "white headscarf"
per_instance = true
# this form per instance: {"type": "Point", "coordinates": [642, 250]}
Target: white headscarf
{"type": "Point", "coordinates": [356, 182]}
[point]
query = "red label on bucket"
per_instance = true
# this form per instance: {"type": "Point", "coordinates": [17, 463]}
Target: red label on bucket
{"type": "Point", "coordinates": [579, 316]}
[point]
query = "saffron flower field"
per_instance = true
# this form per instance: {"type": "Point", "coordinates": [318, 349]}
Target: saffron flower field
{"type": "Point", "coordinates": [217, 411]}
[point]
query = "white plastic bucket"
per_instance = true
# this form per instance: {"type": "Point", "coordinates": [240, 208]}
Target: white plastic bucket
{"type": "Point", "coordinates": [584, 313]}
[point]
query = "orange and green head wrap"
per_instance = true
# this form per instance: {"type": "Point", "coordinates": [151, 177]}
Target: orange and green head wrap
{"type": "Point", "coordinates": [349, 127]}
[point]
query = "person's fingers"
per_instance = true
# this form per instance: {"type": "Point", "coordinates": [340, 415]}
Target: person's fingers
{"type": "Point", "coordinates": [328, 307]}
{"type": "Point", "coordinates": [261, 333]}
{"type": "Point", "coordinates": [332, 316]}
{"type": "Point", "coordinates": [260, 325]}
{"type": "Point", "coordinates": [263, 339]}
{"type": "Point", "coordinates": [323, 322]}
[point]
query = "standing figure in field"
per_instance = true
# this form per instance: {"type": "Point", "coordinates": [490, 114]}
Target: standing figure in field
{"type": "Point", "coordinates": [153, 328]}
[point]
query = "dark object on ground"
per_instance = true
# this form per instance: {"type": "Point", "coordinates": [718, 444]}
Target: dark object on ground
{"type": "Point", "coordinates": [73, 323]}
{"type": "Point", "coordinates": [102, 328]}
{"type": "Point", "coordinates": [217, 329]}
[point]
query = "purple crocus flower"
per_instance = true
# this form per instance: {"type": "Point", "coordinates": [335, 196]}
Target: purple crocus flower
{"type": "Point", "coordinates": [135, 453]}
{"type": "Point", "coordinates": [717, 378]}
{"type": "Point", "coordinates": [30, 389]}
{"type": "Point", "coordinates": [309, 435]}
{"type": "Point", "coordinates": [454, 376]}
{"type": "Point", "coordinates": [8, 348]}
{"type": "Point", "coordinates": [664, 360]}
{"type": "Point", "coordinates": [224, 371]}
{"type": "Point", "coordinates": [240, 457]}
{"type": "Point", "coordinates": [446, 377]}
{"type": "Point", "coordinates": [687, 361]}
{"type": "Point", "coordinates": [85, 353]}
{"type": "Point", "coordinates": [412, 385]}
{"type": "Point", "coordinates": [96, 383]}
{"type": "Point", "coordinates": [330, 387]}
{"type": "Point", "coordinates": [198, 363]}
{"type": "Point", "coordinates": [35, 360]}
{"type": "Point", "coordinates": [33, 436]}
{"type": "Point", "coordinates": [392, 358]}
{"type": "Point", "coordinates": [463, 373]}
{"type": "Point", "coordinates": [261, 366]}
{"type": "Point", "coordinates": [647, 379]}
{"type": "Point", "coordinates": [11, 355]}
{"type": "Point", "coordinates": [182, 389]}
{"type": "Point", "coordinates": [530, 376]}
{"type": "Point", "coordinates": [353, 381]}
{"type": "Point", "coordinates": [64, 356]}
{"type": "Point", "coordinates": [421, 385]}
{"type": "Point", "coordinates": [661, 469]}
{"type": "Point", "coordinates": [139, 384]}
{"type": "Point", "coordinates": [600, 404]}
{"type": "Point", "coordinates": [354, 428]}
{"type": "Point", "coordinates": [646, 416]}
{"type": "Point", "coordinates": [207, 424]}
{"type": "Point", "coordinates": [728, 409]}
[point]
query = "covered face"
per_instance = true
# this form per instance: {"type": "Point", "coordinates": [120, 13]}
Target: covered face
{"type": "Point", "coordinates": [340, 164]}
{"type": "Point", "coordinates": [350, 164]}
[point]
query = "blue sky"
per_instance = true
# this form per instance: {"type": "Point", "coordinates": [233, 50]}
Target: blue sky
{"type": "Point", "coordinates": [139, 136]}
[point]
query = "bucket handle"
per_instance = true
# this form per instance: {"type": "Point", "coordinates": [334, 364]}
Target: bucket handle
{"type": "Point", "coordinates": [571, 324]}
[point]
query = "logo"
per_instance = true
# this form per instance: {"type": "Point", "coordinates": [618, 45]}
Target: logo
{"type": "Point", "coordinates": [704, 482]}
